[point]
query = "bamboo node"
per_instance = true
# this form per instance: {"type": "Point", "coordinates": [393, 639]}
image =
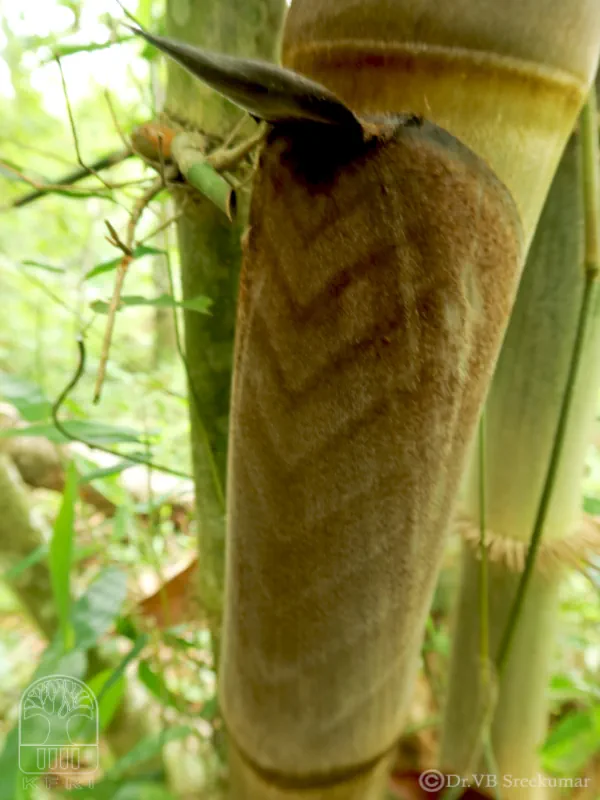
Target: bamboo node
{"type": "Point", "coordinates": [555, 555]}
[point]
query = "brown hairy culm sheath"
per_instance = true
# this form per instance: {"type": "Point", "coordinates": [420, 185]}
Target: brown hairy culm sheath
{"type": "Point", "coordinates": [376, 285]}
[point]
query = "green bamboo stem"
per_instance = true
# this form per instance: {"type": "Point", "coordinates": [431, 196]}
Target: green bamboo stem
{"type": "Point", "coordinates": [590, 151]}
{"type": "Point", "coordinates": [536, 538]}
{"type": "Point", "coordinates": [539, 416]}
{"type": "Point", "coordinates": [591, 195]}
{"type": "Point", "coordinates": [480, 737]}
{"type": "Point", "coordinates": [209, 247]}
{"type": "Point", "coordinates": [484, 633]}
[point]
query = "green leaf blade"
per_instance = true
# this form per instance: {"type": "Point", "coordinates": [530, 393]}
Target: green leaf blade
{"type": "Point", "coordinates": [199, 304]}
{"type": "Point", "coordinates": [95, 611]}
{"type": "Point", "coordinates": [107, 266]}
{"type": "Point", "coordinates": [60, 555]}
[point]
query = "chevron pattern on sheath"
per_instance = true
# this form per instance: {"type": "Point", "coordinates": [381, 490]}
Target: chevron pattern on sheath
{"type": "Point", "coordinates": [376, 284]}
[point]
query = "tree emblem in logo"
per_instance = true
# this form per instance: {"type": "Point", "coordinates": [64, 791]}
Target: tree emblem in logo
{"type": "Point", "coordinates": [58, 727]}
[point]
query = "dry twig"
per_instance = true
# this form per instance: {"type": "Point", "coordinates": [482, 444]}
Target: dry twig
{"type": "Point", "coordinates": [72, 123]}
{"type": "Point", "coordinates": [127, 249]}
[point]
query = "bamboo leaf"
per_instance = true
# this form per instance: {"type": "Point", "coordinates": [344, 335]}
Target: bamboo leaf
{"type": "Point", "coordinates": [95, 432]}
{"type": "Point", "coordinates": [119, 671]}
{"type": "Point", "coordinates": [106, 472]}
{"type": "Point", "coordinates": [61, 554]}
{"type": "Point", "coordinates": [40, 552]}
{"type": "Point", "coordinates": [8, 174]}
{"type": "Point", "coordinates": [573, 742]}
{"type": "Point", "coordinates": [108, 693]}
{"type": "Point", "coordinates": [46, 267]}
{"type": "Point", "coordinates": [107, 266]}
{"type": "Point", "coordinates": [591, 505]}
{"type": "Point", "coordinates": [95, 612]}
{"type": "Point", "coordinates": [29, 400]}
{"type": "Point", "coordinates": [62, 50]}
{"type": "Point", "coordinates": [210, 709]}
{"type": "Point", "coordinates": [155, 683]}
{"type": "Point", "coordinates": [80, 194]}
{"type": "Point", "coordinates": [147, 749]}
{"type": "Point", "coordinates": [30, 559]}
{"type": "Point", "coordinates": [121, 523]}
{"type": "Point", "coordinates": [200, 304]}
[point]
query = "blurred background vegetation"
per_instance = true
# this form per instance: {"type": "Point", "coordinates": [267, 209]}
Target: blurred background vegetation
{"type": "Point", "coordinates": [133, 526]}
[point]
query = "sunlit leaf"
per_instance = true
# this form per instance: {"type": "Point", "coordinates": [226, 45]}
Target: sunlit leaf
{"type": "Point", "coordinates": [565, 688]}
{"type": "Point", "coordinates": [118, 790]}
{"type": "Point", "coordinates": [572, 742]}
{"type": "Point", "coordinates": [591, 505]}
